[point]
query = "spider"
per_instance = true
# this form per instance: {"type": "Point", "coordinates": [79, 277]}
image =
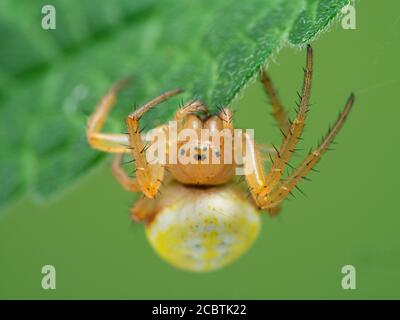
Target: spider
{"type": "Point", "coordinates": [202, 220]}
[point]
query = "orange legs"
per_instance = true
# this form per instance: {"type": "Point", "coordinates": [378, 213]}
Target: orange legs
{"type": "Point", "coordinates": [278, 111]}
{"type": "Point", "coordinates": [149, 176]}
{"type": "Point", "coordinates": [124, 180]}
{"type": "Point", "coordinates": [267, 190]}
{"type": "Point", "coordinates": [190, 107]}
{"type": "Point", "coordinates": [113, 143]}
{"type": "Point", "coordinates": [284, 188]}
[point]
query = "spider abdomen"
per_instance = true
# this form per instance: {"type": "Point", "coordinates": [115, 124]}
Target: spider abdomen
{"type": "Point", "coordinates": [202, 229]}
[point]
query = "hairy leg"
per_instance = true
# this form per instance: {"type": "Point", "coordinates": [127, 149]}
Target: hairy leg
{"type": "Point", "coordinates": [256, 178]}
{"type": "Point", "coordinates": [278, 111]}
{"type": "Point", "coordinates": [149, 176]}
{"type": "Point", "coordinates": [190, 107]}
{"type": "Point", "coordinates": [124, 180]}
{"type": "Point", "coordinates": [285, 187]}
{"type": "Point", "coordinates": [292, 135]}
{"type": "Point", "coordinates": [226, 116]}
{"type": "Point", "coordinates": [113, 143]}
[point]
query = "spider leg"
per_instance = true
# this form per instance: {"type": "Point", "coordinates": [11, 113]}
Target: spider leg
{"type": "Point", "coordinates": [285, 187]}
{"type": "Point", "coordinates": [119, 173]}
{"type": "Point", "coordinates": [292, 135]}
{"type": "Point", "coordinates": [190, 107]}
{"type": "Point", "coordinates": [259, 183]}
{"type": "Point", "coordinates": [274, 211]}
{"type": "Point", "coordinates": [149, 175]}
{"type": "Point", "coordinates": [267, 197]}
{"type": "Point", "coordinates": [278, 111]}
{"type": "Point", "coordinates": [113, 143]}
{"type": "Point", "coordinates": [124, 180]}
{"type": "Point", "coordinates": [226, 116]}
{"type": "Point", "coordinates": [266, 152]}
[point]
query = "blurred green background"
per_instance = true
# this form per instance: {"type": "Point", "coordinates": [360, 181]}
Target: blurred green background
{"type": "Point", "coordinates": [351, 215]}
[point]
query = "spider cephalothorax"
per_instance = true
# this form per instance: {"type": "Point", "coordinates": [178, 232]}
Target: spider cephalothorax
{"type": "Point", "coordinates": [201, 166]}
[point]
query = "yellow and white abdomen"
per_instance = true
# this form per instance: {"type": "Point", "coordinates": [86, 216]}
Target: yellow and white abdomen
{"type": "Point", "coordinates": [202, 229]}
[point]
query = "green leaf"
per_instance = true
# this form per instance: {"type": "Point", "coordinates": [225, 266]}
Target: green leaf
{"type": "Point", "coordinates": [50, 80]}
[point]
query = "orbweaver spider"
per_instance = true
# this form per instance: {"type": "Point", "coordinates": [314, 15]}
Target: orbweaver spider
{"type": "Point", "coordinates": [202, 221]}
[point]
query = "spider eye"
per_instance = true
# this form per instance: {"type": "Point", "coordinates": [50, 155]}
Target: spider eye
{"type": "Point", "coordinates": [204, 148]}
{"type": "Point", "coordinates": [218, 154]}
{"type": "Point", "coordinates": [200, 157]}
{"type": "Point", "coordinates": [182, 152]}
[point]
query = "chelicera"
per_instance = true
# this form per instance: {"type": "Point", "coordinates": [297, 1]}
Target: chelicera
{"type": "Point", "coordinates": [201, 193]}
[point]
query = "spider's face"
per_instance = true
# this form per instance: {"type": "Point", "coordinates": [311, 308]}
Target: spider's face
{"type": "Point", "coordinates": [200, 153]}
{"type": "Point", "coordinates": [203, 159]}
